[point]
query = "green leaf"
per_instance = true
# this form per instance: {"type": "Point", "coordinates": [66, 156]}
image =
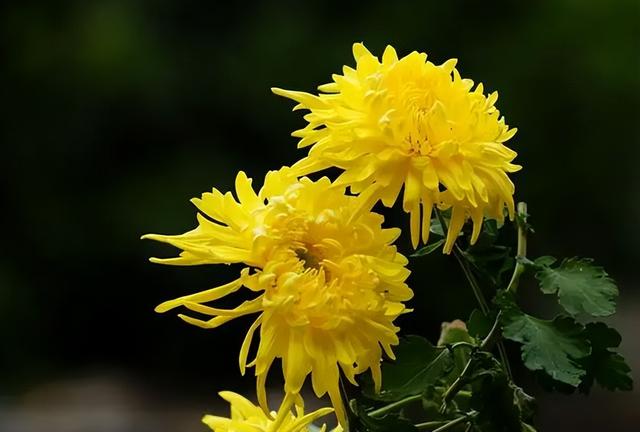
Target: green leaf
{"type": "Point", "coordinates": [543, 261]}
{"type": "Point", "coordinates": [581, 286]}
{"type": "Point", "coordinates": [605, 366]}
{"type": "Point", "coordinates": [479, 325]}
{"type": "Point", "coordinates": [526, 403]}
{"type": "Point", "coordinates": [487, 254]}
{"type": "Point", "coordinates": [552, 346]}
{"type": "Point", "coordinates": [436, 227]}
{"type": "Point", "coordinates": [493, 398]}
{"type": "Point", "coordinates": [551, 385]}
{"type": "Point", "coordinates": [522, 219]}
{"type": "Point", "coordinates": [491, 260]}
{"type": "Point", "coordinates": [428, 249]}
{"type": "Point", "coordinates": [488, 235]}
{"type": "Point", "coordinates": [490, 227]}
{"type": "Point", "coordinates": [492, 263]}
{"type": "Point", "coordinates": [432, 404]}
{"type": "Point", "coordinates": [502, 406]}
{"type": "Point", "coordinates": [418, 365]}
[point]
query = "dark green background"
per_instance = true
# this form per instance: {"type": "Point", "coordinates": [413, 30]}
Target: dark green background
{"type": "Point", "coordinates": [115, 113]}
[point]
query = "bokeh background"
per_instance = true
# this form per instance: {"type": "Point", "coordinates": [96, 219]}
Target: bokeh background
{"type": "Point", "coordinates": [115, 113]}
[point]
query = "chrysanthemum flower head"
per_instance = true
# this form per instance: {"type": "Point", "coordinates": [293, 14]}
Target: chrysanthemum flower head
{"type": "Point", "coordinates": [245, 416]}
{"type": "Point", "coordinates": [328, 280]}
{"type": "Point", "coordinates": [394, 122]}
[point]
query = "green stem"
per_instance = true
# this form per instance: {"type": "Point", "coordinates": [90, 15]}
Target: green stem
{"type": "Point", "coordinates": [492, 337]}
{"type": "Point", "coordinates": [475, 287]}
{"type": "Point", "coordinates": [522, 248]}
{"type": "Point", "coordinates": [462, 344]}
{"type": "Point", "coordinates": [465, 394]}
{"type": "Point", "coordinates": [460, 381]}
{"type": "Point", "coordinates": [457, 252]}
{"type": "Point", "coordinates": [431, 424]}
{"type": "Point", "coordinates": [456, 386]}
{"type": "Point", "coordinates": [504, 359]}
{"type": "Point", "coordinates": [448, 425]}
{"type": "Point", "coordinates": [392, 406]}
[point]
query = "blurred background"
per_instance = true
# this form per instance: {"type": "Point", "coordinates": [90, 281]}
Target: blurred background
{"type": "Point", "coordinates": [116, 113]}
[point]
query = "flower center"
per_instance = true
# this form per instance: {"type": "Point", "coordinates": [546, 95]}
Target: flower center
{"type": "Point", "coordinates": [309, 260]}
{"type": "Point", "coordinates": [417, 136]}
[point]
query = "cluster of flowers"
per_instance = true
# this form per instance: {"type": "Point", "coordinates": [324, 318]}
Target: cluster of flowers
{"type": "Point", "coordinates": [328, 282]}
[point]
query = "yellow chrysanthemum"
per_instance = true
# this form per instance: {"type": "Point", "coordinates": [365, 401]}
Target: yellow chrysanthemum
{"type": "Point", "coordinates": [410, 122]}
{"type": "Point", "coordinates": [246, 417]}
{"type": "Point", "coordinates": [329, 282]}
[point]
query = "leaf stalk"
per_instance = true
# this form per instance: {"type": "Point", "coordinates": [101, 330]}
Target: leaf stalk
{"type": "Point", "coordinates": [522, 247]}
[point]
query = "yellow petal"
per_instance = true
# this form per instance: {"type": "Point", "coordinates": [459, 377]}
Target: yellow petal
{"type": "Point", "coordinates": [455, 226]}
{"type": "Point", "coordinates": [246, 344]}
{"type": "Point", "coordinates": [415, 225]}
{"type": "Point", "coordinates": [206, 296]}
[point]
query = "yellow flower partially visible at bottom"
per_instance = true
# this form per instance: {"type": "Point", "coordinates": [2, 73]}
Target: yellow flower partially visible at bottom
{"type": "Point", "coordinates": [247, 417]}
